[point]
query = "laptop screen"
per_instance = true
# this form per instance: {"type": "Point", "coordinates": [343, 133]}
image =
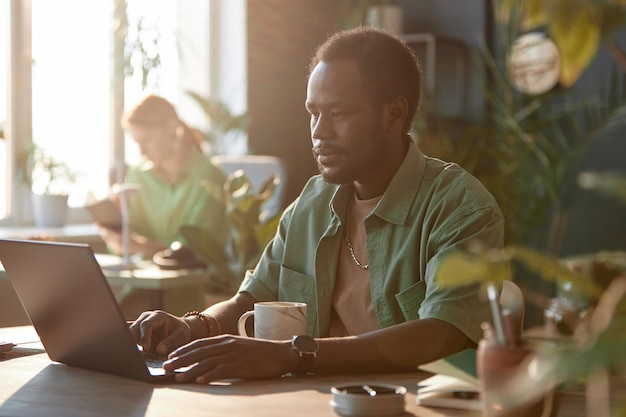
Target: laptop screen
{"type": "Point", "coordinates": [72, 307]}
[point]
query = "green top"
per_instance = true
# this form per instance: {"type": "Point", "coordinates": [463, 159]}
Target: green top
{"type": "Point", "coordinates": [159, 208]}
{"type": "Point", "coordinates": [429, 208]}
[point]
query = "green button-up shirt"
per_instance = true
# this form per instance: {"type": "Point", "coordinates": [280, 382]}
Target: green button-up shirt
{"type": "Point", "coordinates": [429, 209]}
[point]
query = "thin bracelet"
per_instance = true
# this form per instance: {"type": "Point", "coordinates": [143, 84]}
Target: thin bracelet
{"type": "Point", "coordinates": [206, 318]}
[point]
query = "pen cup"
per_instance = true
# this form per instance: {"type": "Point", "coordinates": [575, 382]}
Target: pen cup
{"type": "Point", "coordinates": [502, 396]}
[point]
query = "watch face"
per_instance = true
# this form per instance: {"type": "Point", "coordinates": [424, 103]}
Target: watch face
{"type": "Point", "coordinates": [534, 63]}
{"type": "Point", "coordinates": [305, 343]}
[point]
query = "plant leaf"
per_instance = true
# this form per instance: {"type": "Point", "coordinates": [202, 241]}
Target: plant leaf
{"type": "Point", "coordinates": [551, 269]}
{"type": "Point", "coordinates": [574, 27]}
{"type": "Point", "coordinates": [536, 13]}
{"type": "Point", "coordinates": [266, 231]}
{"type": "Point", "coordinates": [202, 244]}
{"type": "Point", "coordinates": [460, 268]}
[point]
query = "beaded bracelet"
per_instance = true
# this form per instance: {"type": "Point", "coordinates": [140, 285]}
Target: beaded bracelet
{"type": "Point", "coordinates": [206, 318]}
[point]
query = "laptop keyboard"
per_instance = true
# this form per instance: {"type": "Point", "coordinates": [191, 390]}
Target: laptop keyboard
{"type": "Point", "coordinates": [155, 364]}
{"type": "Point", "coordinates": [154, 360]}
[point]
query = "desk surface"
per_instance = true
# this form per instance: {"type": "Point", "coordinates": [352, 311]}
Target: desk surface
{"type": "Point", "coordinates": [32, 385]}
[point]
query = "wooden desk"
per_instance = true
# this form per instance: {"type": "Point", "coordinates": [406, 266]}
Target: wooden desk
{"type": "Point", "coordinates": [32, 385]}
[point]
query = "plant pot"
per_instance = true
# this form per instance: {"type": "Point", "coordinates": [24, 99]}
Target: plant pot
{"type": "Point", "coordinates": [49, 210]}
{"type": "Point", "coordinates": [497, 368]}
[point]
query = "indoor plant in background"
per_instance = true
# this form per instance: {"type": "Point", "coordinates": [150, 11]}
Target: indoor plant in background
{"type": "Point", "coordinates": [226, 126]}
{"type": "Point", "coordinates": [525, 148]}
{"type": "Point", "coordinates": [249, 233]}
{"type": "Point", "coordinates": [50, 181]}
{"type": "Point", "coordinates": [526, 145]}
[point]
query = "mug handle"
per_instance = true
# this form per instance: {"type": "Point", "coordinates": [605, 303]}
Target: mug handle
{"type": "Point", "coordinates": [241, 324]}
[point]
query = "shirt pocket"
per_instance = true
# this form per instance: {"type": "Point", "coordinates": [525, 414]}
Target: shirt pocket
{"type": "Point", "coordinates": [295, 286]}
{"type": "Point", "coordinates": [411, 299]}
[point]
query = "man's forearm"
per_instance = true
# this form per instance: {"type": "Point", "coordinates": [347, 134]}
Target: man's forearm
{"type": "Point", "coordinates": [396, 348]}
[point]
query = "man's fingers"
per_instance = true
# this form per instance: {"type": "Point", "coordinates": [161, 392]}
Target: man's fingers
{"type": "Point", "coordinates": [171, 341]}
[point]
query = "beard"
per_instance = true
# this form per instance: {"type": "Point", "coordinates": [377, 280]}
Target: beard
{"type": "Point", "coordinates": [354, 170]}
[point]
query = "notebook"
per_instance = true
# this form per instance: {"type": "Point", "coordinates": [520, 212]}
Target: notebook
{"type": "Point", "coordinates": [454, 385]}
{"type": "Point", "coordinates": [106, 213]}
{"type": "Point", "coordinates": [444, 391]}
{"type": "Point", "coordinates": [73, 309]}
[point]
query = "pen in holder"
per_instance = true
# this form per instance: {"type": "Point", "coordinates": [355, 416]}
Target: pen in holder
{"type": "Point", "coordinates": [124, 191]}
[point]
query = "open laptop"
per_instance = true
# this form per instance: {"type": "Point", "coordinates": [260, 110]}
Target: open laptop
{"type": "Point", "coordinates": [73, 309]}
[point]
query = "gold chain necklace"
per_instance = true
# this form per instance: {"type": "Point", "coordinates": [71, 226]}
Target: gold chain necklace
{"type": "Point", "coordinates": [349, 241]}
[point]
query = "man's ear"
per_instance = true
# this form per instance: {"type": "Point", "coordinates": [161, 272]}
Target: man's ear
{"type": "Point", "coordinates": [396, 112]}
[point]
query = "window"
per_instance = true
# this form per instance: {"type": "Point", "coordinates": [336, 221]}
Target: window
{"type": "Point", "coordinates": [70, 88]}
{"type": "Point", "coordinates": [72, 103]}
{"type": "Point", "coordinates": [4, 51]}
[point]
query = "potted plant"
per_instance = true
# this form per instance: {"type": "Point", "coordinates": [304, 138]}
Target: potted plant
{"type": "Point", "coordinates": [249, 233]}
{"type": "Point", "coordinates": [50, 181]}
{"type": "Point", "coordinates": [585, 345]}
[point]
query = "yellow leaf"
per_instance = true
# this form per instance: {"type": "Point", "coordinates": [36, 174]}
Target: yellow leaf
{"type": "Point", "coordinates": [536, 13]}
{"type": "Point", "coordinates": [460, 269]}
{"type": "Point", "coordinates": [575, 30]}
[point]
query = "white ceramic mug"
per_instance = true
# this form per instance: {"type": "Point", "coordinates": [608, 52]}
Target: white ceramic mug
{"type": "Point", "coordinates": [275, 320]}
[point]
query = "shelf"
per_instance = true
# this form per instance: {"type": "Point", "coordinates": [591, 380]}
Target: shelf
{"type": "Point", "coordinates": [444, 64]}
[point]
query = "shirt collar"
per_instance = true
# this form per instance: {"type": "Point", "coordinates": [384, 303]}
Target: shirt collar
{"type": "Point", "coordinates": [399, 196]}
{"type": "Point", "coordinates": [395, 205]}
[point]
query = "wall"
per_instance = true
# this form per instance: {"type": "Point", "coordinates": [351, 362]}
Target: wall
{"type": "Point", "coordinates": [596, 222]}
{"type": "Point", "coordinates": [462, 21]}
{"type": "Point", "coordinates": [282, 35]}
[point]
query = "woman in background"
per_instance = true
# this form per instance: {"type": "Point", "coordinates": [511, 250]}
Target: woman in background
{"type": "Point", "coordinates": [177, 183]}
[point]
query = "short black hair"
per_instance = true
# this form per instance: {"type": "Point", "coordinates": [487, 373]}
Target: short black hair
{"type": "Point", "coordinates": [385, 59]}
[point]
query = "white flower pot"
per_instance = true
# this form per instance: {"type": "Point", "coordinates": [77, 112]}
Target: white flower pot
{"type": "Point", "coordinates": [49, 210]}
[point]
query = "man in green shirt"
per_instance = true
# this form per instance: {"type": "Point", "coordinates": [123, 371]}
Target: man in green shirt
{"type": "Point", "coordinates": [362, 242]}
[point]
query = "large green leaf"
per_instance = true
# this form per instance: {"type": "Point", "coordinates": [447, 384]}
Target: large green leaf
{"type": "Point", "coordinates": [248, 235]}
{"type": "Point", "coordinates": [206, 248]}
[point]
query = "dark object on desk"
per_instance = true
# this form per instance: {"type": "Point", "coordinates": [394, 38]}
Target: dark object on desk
{"type": "Point", "coordinates": [6, 347]}
{"type": "Point", "coordinates": [177, 256]}
{"type": "Point", "coordinates": [73, 310]}
{"type": "Point", "coordinates": [106, 213]}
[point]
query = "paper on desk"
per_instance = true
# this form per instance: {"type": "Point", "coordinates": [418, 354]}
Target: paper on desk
{"type": "Point", "coordinates": [448, 392]}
